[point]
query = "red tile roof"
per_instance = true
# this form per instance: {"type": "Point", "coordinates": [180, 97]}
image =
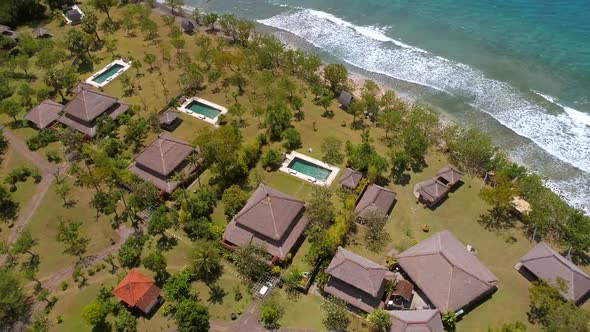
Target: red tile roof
{"type": "Point", "coordinates": [138, 291]}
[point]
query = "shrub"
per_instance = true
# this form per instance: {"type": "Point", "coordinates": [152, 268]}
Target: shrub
{"type": "Point", "coordinates": [53, 156]}
{"type": "Point", "coordinates": [42, 139]}
{"type": "Point", "coordinates": [276, 270]}
{"type": "Point", "coordinates": [272, 159]}
{"type": "Point", "coordinates": [291, 139]}
{"type": "Point", "coordinates": [64, 285]}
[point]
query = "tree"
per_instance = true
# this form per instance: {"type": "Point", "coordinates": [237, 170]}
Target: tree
{"type": "Point", "coordinates": [320, 208]}
{"type": "Point", "coordinates": [206, 261]}
{"type": "Point", "coordinates": [104, 203]}
{"type": "Point", "coordinates": [104, 6]}
{"type": "Point", "coordinates": [150, 59]}
{"type": "Point", "coordinates": [509, 327]}
{"type": "Point", "coordinates": [22, 61]}
{"type": "Point", "coordinates": [125, 321]}
{"type": "Point", "coordinates": [210, 19]}
{"type": "Point", "coordinates": [400, 161]}
{"type": "Point", "coordinates": [271, 159]}
{"type": "Point", "coordinates": [178, 286]}
{"type": "Point", "coordinates": [380, 319]}
{"type": "Point", "coordinates": [77, 43]}
{"type": "Point", "coordinates": [156, 262]}
{"type": "Point", "coordinates": [10, 108]}
{"type": "Point", "coordinates": [94, 314]}
{"type": "Point", "coordinates": [130, 251]}
{"type": "Point", "coordinates": [390, 120]}
{"type": "Point", "coordinates": [332, 150]}
{"type": "Point", "coordinates": [14, 302]}
{"type": "Point", "coordinates": [237, 110]}
{"type": "Point", "coordinates": [233, 200]}
{"type": "Point", "coordinates": [336, 317]}
{"type": "Point", "coordinates": [90, 25]}
{"type": "Point", "coordinates": [471, 150]}
{"type": "Point", "coordinates": [69, 234]}
{"type": "Point", "coordinates": [161, 221]}
{"type": "Point", "coordinates": [61, 79]}
{"type": "Point", "coordinates": [250, 261]}
{"type": "Point", "coordinates": [26, 94]}
{"type": "Point", "coordinates": [192, 317]}
{"type": "Point", "coordinates": [25, 243]}
{"type": "Point", "coordinates": [337, 77]}
{"type": "Point", "coordinates": [547, 308]}
{"type": "Point", "coordinates": [271, 313]}
{"type": "Point", "coordinates": [363, 155]}
{"type": "Point", "coordinates": [8, 207]}
{"type": "Point", "coordinates": [220, 150]}
{"type": "Point", "coordinates": [449, 321]}
{"type": "Point", "coordinates": [174, 4]}
{"type": "Point", "coordinates": [63, 190]}
{"type": "Point", "coordinates": [375, 236]}
{"type": "Point", "coordinates": [277, 119]}
{"type": "Point", "coordinates": [291, 139]}
{"type": "Point", "coordinates": [415, 145]}
{"type": "Point", "coordinates": [192, 78]}
{"type": "Point", "coordinates": [149, 28]}
{"type": "Point", "coordinates": [137, 131]}
{"type": "Point", "coordinates": [40, 323]}
{"type": "Point", "coordinates": [111, 46]}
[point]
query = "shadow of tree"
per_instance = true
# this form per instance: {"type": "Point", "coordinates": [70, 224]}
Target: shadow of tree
{"type": "Point", "coordinates": [216, 294]}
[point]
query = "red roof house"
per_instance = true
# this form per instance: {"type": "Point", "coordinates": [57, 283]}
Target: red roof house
{"type": "Point", "coordinates": [137, 290]}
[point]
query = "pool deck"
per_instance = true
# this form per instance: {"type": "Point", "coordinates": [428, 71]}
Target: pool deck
{"type": "Point", "coordinates": [289, 158]}
{"type": "Point", "coordinates": [126, 65]}
{"type": "Point", "coordinates": [183, 108]}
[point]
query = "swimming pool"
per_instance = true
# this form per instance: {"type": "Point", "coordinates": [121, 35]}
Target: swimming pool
{"type": "Point", "coordinates": [203, 109]}
{"type": "Point", "coordinates": [105, 75]}
{"type": "Point", "coordinates": [310, 169]}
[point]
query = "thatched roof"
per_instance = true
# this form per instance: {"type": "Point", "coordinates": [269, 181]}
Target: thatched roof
{"type": "Point", "coordinates": [404, 289]}
{"type": "Point", "coordinates": [44, 114]}
{"type": "Point", "coordinates": [375, 198]}
{"type": "Point", "coordinates": [168, 117]}
{"type": "Point", "coordinates": [450, 175]}
{"type": "Point", "coordinates": [164, 155]}
{"type": "Point", "coordinates": [74, 16]}
{"type": "Point", "coordinates": [8, 32]}
{"type": "Point", "coordinates": [82, 85]}
{"type": "Point", "coordinates": [431, 190]}
{"type": "Point", "coordinates": [351, 178]}
{"type": "Point", "coordinates": [271, 218]}
{"type": "Point", "coordinates": [345, 99]}
{"type": "Point", "coordinates": [416, 321]}
{"type": "Point", "coordinates": [546, 264]}
{"type": "Point", "coordinates": [187, 26]}
{"type": "Point", "coordinates": [40, 32]}
{"type": "Point", "coordinates": [448, 274]}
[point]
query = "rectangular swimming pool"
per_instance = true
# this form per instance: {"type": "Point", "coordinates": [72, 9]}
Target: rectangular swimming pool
{"type": "Point", "coordinates": [310, 169]}
{"type": "Point", "coordinates": [105, 75]}
{"type": "Point", "coordinates": [203, 109]}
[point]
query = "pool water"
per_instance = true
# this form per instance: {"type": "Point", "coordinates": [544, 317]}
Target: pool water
{"type": "Point", "coordinates": [108, 73]}
{"type": "Point", "coordinates": [310, 169]}
{"type": "Point", "coordinates": [203, 109]}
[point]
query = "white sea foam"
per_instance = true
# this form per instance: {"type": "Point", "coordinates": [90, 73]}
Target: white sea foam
{"type": "Point", "coordinates": [581, 118]}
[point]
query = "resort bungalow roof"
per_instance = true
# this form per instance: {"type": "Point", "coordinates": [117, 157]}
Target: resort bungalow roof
{"type": "Point", "coordinates": [82, 85]}
{"type": "Point", "coordinates": [74, 16]}
{"type": "Point", "coordinates": [356, 280]}
{"type": "Point", "coordinates": [81, 112]}
{"type": "Point", "coordinates": [40, 32]}
{"type": "Point", "coordinates": [450, 175]}
{"type": "Point", "coordinates": [545, 263]}
{"type": "Point", "coordinates": [187, 26]}
{"type": "Point", "coordinates": [345, 99]}
{"type": "Point", "coordinates": [169, 119]}
{"type": "Point", "coordinates": [403, 288]}
{"type": "Point", "coordinates": [271, 218]}
{"type": "Point", "coordinates": [431, 191]}
{"type": "Point", "coordinates": [8, 32]}
{"type": "Point", "coordinates": [375, 198]}
{"type": "Point", "coordinates": [416, 321]}
{"type": "Point", "coordinates": [44, 114]}
{"type": "Point", "coordinates": [448, 274]}
{"type": "Point", "coordinates": [137, 290]}
{"type": "Point", "coordinates": [351, 178]}
{"type": "Point", "coordinates": [160, 160]}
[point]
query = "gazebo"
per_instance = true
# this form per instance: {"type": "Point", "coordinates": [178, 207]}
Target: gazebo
{"type": "Point", "coordinates": [138, 291]}
{"type": "Point", "coordinates": [170, 119]}
{"type": "Point", "coordinates": [40, 32]}
{"type": "Point", "coordinates": [345, 99]}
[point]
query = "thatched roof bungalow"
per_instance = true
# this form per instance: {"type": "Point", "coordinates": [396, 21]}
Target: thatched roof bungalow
{"type": "Point", "coordinates": [345, 99]}
{"type": "Point", "coordinates": [45, 114]}
{"type": "Point", "coordinates": [170, 119]}
{"type": "Point", "coordinates": [416, 321]}
{"type": "Point", "coordinates": [187, 26]}
{"type": "Point", "coordinates": [40, 32]}
{"type": "Point", "coordinates": [375, 198]}
{"type": "Point", "coordinates": [8, 32]}
{"type": "Point", "coordinates": [350, 179]}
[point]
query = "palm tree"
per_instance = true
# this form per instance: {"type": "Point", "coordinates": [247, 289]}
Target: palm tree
{"type": "Point", "coordinates": [194, 160]}
{"type": "Point", "coordinates": [206, 260]}
{"type": "Point", "coordinates": [181, 177]}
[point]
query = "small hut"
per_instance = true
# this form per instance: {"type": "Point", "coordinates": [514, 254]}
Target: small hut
{"type": "Point", "coordinates": [170, 120]}
{"type": "Point", "coordinates": [45, 114]}
{"type": "Point", "coordinates": [345, 99]}
{"type": "Point", "coordinates": [138, 291]}
{"type": "Point", "coordinates": [188, 27]}
{"type": "Point", "coordinates": [40, 32]}
{"type": "Point", "coordinates": [8, 32]}
{"type": "Point", "coordinates": [350, 179]}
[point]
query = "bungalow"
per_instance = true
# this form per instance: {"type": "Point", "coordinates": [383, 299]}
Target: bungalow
{"type": "Point", "coordinates": [170, 119]}
{"type": "Point", "coordinates": [375, 198]}
{"type": "Point", "coordinates": [82, 85]}
{"type": "Point", "coordinates": [8, 32]}
{"type": "Point", "coordinates": [450, 276]}
{"type": "Point", "coordinates": [357, 280]}
{"type": "Point", "coordinates": [350, 179]}
{"type": "Point", "coordinates": [188, 27]}
{"type": "Point", "coordinates": [138, 291]}
{"type": "Point", "coordinates": [270, 218]}
{"type": "Point", "coordinates": [432, 191]}
{"type": "Point", "coordinates": [83, 110]}
{"type": "Point", "coordinates": [161, 160]}
{"type": "Point", "coordinates": [74, 16]}
{"type": "Point", "coordinates": [542, 262]}
{"type": "Point", "coordinates": [40, 32]}
{"type": "Point", "coordinates": [416, 321]}
{"type": "Point", "coordinates": [345, 99]}
{"type": "Point", "coordinates": [45, 114]}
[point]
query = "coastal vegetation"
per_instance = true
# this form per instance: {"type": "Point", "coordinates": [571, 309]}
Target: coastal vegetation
{"type": "Point", "coordinates": [279, 100]}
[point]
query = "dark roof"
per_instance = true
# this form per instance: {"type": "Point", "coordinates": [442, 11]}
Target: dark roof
{"type": "Point", "coordinates": [138, 291]}
{"type": "Point", "coordinates": [416, 321]}
{"type": "Point", "coordinates": [546, 264]}
{"type": "Point", "coordinates": [345, 99]}
{"type": "Point", "coordinates": [431, 190]}
{"type": "Point", "coordinates": [375, 198]}
{"type": "Point", "coordinates": [45, 113]}
{"type": "Point", "coordinates": [82, 85]}
{"type": "Point", "coordinates": [187, 25]}
{"type": "Point", "coordinates": [88, 105]}
{"type": "Point", "coordinates": [270, 217]}
{"type": "Point", "coordinates": [450, 174]}
{"type": "Point", "coordinates": [404, 289]}
{"type": "Point", "coordinates": [74, 15]}
{"type": "Point", "coordinates": [351, 178]}
{"type": "Point", "coordinates": [168, 116]}
{"type": "Point", "coordinates": [40, 32]}
{"type": "Point", "coordinates": [449, 275]}
{"type": "Point", "coordinates": [356, 280]}
{"type": "Point", "coordinates": [164, 155]}
{"type": "Point", "coordinates": [8, 32]}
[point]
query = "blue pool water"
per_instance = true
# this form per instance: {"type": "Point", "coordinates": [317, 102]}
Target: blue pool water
{"type": "Point", "coordinates": [203, 109]}
{"type": "Point", "coordinates": [310, 169]}
{"type": "Point", "coordinates": [108, 73]}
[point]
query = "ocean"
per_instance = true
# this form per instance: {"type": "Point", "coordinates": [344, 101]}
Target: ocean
{"type": "Point", "coordinates": [519, 69]}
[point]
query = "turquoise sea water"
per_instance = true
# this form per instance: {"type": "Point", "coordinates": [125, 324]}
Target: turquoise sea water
{"type": "Point", "coordinates": [310, 169]}
{"type": "Point", "coordinates": [519, 69]}
{"type": "Point", "coordinates": [107, 73]}
{"type": "Point", "coordinates": [203, 109]}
